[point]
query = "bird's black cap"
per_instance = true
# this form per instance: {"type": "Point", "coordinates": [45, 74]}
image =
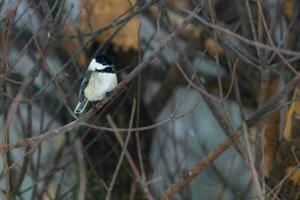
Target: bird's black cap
{"type": "Point", "coordinates": [103, 59]}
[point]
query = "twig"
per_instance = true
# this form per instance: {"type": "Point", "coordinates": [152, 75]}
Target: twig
{"type": "Point", "coordinates": [241, 38]}
{"type": "Point", "coordinates": [260, 11]}
{"type": "Point", "coordinates": [81, 169]}
{"type": "Point", "coordinates": [257, 186]}
{"type": "Point", "coordinates": [188, 177]}
{"type": "Point", "coordinates": [111, 185]}
{"type": "Point", "coordinates": [111, 25]}
{"type": "Point", "coordinates": [117, 90]}
{"type": "Point", "coordinates": [131, 162]}
{"type": "Point", "coordinates": [257, 116]}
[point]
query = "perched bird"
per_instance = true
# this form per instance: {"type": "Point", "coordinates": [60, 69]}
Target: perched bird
{"type": "Point", "coordinates": [100, 78]}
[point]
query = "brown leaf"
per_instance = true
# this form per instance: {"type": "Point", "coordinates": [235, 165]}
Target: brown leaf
{"type": "Point", "coordinates": [271, 131]}
{"type": "Point", "coordinates": [295, 176]}
{"type": "Point", "coordinates": [294, 110]}
{"type": "Point", "coordinates": [96, 14]}
{"type": "Point", "coordinates": [289, 8]}
{"type": "Point", "coordinates": [213, 47]}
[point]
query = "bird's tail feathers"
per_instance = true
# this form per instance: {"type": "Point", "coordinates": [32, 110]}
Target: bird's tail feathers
{"type": "Point", "coordinates": [80, 106]}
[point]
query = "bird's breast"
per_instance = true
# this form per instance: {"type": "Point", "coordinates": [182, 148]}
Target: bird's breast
{"type": "Point", "coordinates": [99, 84]}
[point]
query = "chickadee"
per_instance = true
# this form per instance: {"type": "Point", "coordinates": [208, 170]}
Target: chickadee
{"type": "Point", "coordinates": [100, 78]}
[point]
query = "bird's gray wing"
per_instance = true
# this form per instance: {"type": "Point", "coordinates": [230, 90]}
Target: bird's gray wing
{"type": "Point", "coordinates": [83, 85]}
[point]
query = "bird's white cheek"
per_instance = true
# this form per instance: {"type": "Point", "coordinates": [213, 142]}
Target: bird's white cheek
{"type": "Point", "coordinates": [93, 66]}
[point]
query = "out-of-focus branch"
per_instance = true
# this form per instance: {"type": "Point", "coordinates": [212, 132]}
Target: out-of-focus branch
{"type": "Point", "coordinates": [130, 161]}
{"type": "Point", "coordinates": [188, 177]}
{"type": "Point", "coordinates": [81, 169]}
{"type": "Point", "coordinates": [76, 123]}
{"type": "Point", "coordinates": [113, 24]}
{"type": "Point", "coordinates": [112, 183]}
{"type": "Point", "coordinates": [257, 116]}
{"type": "Point", "coordinates": [241, 38]}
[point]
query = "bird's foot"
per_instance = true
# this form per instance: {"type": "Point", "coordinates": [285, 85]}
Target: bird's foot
{"type": "Point", "coordinates": [94, 106]}
{"type": "Point", "coordinates": [107, 94]}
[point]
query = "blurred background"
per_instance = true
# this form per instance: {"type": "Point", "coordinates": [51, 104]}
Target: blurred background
{"type": "Point", "coordinates": [211, 114]}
